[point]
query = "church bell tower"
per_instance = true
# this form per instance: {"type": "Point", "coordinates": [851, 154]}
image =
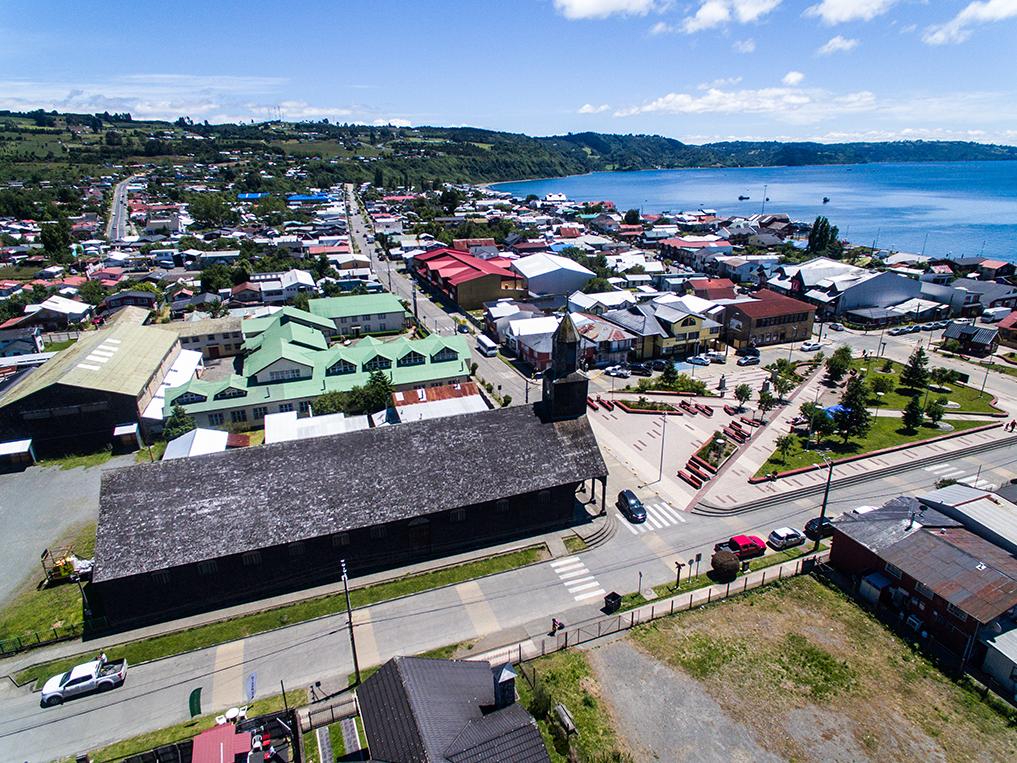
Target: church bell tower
{"type": "Point", "coordinates": [565, 387]}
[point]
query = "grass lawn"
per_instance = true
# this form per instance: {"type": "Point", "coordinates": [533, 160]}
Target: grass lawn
{"type": "Point", "coordinates": [211, 634]}
{"type": "Point", "coordinates": [256, 437]}
{"type": "Point", "coordinates": [40, 610]}
{"type": "Point", "coordinates": [968, 398]}
{"type": "Point", "coordinates": [574, 544]}
{"type": "Point", "coordinates": [566, 677]}
{"type": "Point", "coordinates": [153, 452]}
{"type": "Point", "coordinates": [441, 653]}
{"type": "Point", "coordinates": [188, 729]}
{"type": "Point", "coordinates": [311, 746]}
{"type": "Point", "coordinates": [886, 432]}
{"type": "Point", "coordinates": [57, 346]}
{"type": "Point", "coordinates": [74, 461]}
{"type": "Point", "coordinates": [829, 675]}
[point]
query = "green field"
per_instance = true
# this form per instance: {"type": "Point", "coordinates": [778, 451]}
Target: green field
{"type": "Point", "coordinates": [969, 399]}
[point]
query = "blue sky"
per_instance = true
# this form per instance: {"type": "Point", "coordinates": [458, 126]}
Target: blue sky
{"type": "Point", "coordinates": [697, 70]}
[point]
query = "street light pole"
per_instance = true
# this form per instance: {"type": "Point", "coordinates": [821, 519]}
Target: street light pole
{"type": "Point", "coordinates": [826, 497]}
{"type": "Point", "coordinates": [349, 620]}
{"type": "Point", "coordinates": [663, 437]}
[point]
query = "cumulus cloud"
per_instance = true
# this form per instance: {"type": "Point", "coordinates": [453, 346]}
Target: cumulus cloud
{"type": "Point", "coordinates": [661, 27]}
{"type": "Point", "coordinates": [601, 9]}
{"type": "Point", "coordinates": [840, 11]}
{"type": "Point", "coordinates": [790, 104]}
{"type": "Point", "coordinates": [959, 28]}
{"type": "Point", "coordinates": [793, 78]}
{"type": "Point", "coordinates": [838, 44]}
{"type": "Point", "coordinates": [744, 46]}
{"type": "Point", "coordinates": [714, 13]}
{"type": "Point", "coordinates": [589, 108]}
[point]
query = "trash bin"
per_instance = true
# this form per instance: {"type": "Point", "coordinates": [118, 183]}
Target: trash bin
{"type": "Point", "coordinates": [612, 602]}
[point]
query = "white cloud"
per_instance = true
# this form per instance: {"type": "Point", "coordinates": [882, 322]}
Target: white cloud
{"type": "Point", "coordinates": [714, 13]}
{"type": "Point", "coordinates": [958, 29]}
{"type": "Point", "coordinates": [793, 78]}
{"type": "Point", "coordinates": [661, 27]}
{"type": "Point", "coordinates": [601, 9]}
{"type": "Point", "coordinates": [392, 122]}
{"type": "Point", "coordinates": [745, 46]}
{"type": "Point", "coordinates": [722, 82]}
{"type": "Point", "coordinates": [838, 44]}
{"type": "Point", "coordinates": [840, 11]}
{"type": "Point", "coordinates": [790, 104]}
{"type": "Point", "coordinates": [589, 108]}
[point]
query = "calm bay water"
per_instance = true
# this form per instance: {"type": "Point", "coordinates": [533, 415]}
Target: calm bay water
{"type": "Point", "coordinates": [952, 208]}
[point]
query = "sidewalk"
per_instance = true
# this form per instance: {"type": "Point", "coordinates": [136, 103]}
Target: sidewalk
{"type": "Point", "coordinates": [551, 541]}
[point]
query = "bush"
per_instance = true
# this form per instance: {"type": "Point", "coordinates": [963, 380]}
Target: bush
{"type": "Point", "coordinates": [725, 566]}
{"type": "Point", "coordinates": [505, 401]}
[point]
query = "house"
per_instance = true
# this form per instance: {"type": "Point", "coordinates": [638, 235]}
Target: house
{"type": "Point", "coordinates": [212, 337]}
{"type": "Point", "coordinates": [973, 340]}
{"type": "Point", "coordinates": [285, 512]}
{"type": "Point", "coordinates": [530, 339]}
{"type": "Point", "coordinates": [944, 565]}
{"type": "Point", "coordinates": [20, 341]}
{"type": "Point", "coordinates": [662, 331]}
{"type": "Point", "coordinates": [1007, 330]}
{"type": "Point", "coordinates": [836, 288]}
{"type": "Point", "coordinates": [990, 270]}
{"type": "Point", "coordinates": [967, 297]}
{"type": "Point", "coordinates": [499, 313]}
{"type": "Point", "coordinates": [277, 288]}
{"type": "Point", "coordinates": [693, 250]}
{"type": "Point", "coordinates": [137, 298]}
{"type": "Point", "coordinates": [288, 426]}
{"type": "Point", "coordinates": [599, 303]}
{"type": "Point", "coordinates": [447, 711]}
{"type": "Point", "coordinates": [197, 442]}
{"type": "Point", "coordinates": [767, 318]}
{"type": "Point", "coordinates": [73, 402]}
{"type": "Point", "coordinates": [358, 315]}
{"type": "Point", "coordinates": [546, 273]}
{"type": "Point", "coordinates": [435, 402]}
{"type": "Point", "coordinates": [603, 343]}
{"type": "Point", "coordinates": [56, 312]}
{"type": "Point", "coordinates": [713, 288]}
{"type": "Point", "coordinates": [245, 294]}
{"type": "Point", "coordinates": [466, 280]}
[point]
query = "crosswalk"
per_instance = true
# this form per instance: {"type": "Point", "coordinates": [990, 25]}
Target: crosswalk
{"type": "Point", "coordinates": [949, 471]}
{"type": "Point", "coordinates": [658, 516]}
{"type": "Point", "coordinates": [576, 578]}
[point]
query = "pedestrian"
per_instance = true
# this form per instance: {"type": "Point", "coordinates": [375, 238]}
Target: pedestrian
{"type": "Point", "coordinates": [102, 658]}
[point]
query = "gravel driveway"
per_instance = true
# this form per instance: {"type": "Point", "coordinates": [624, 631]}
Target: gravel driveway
{"type": "Point", "coordinates": [662, 714]}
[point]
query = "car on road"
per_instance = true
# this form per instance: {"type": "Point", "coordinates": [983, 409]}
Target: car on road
{"type": "Point", "coordinates": [640, 369]}
{"type": "Point", "coordinates": [749, 360]}
{"type": "Point", "coordinates": [836, 327]}
{"type": "Point", "coordinates": [88, 677]}
{"type": "Point", "coordinates": [928, 327]}
{"type": "Point", "coordinates": [897, 331]}
{"type": "Point", "coordinates": [942, 324]}
{"type": "Point", "coordinates": [629, 505]}
{"type": "Point", "coordinates": [810, 346]}
{"type": "Point", "coordinates": [785, 537]}
{"type": "Point", "coordinates": [698, 360]}
{"type": "Point", "coordinates": [618, 371]}
{"type": "Point", "coordinates": [743, 546]}
{"type": "Point", "coordinates": [747, 352]}
{"type": "Point", "coordinates": [716, 357]}
{"type": "Point", "coordinates": [819, 527]}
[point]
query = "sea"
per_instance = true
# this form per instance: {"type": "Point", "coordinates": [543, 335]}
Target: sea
{"type": "Point", "coordinates": [941, 209]}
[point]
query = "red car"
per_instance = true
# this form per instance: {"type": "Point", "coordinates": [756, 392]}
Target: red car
{"type": "Point", "coordinates": [743, 546]}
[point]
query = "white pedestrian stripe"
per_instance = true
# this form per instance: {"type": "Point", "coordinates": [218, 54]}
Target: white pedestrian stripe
{"type": "Point", "coordinates": [658, 516]}
{"type": "Point", "coordinates": [576, 578]}
{"type": "Point", "coordinates": [937, 467]}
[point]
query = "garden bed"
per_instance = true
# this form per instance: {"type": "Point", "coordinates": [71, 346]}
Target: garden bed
{"type": "Point", "coordinates": [716, 453]}
{"type": "Point", "coordinates": [642, 405]}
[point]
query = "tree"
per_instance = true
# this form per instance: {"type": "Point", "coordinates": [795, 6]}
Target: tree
{"type": "Point", "coordinates": [669, 376]}
{"type": "Point", "coordinates": [822, 236]}
{"type": "Point", "coordinates": [838, 364]}
{"type": "Point", "coordinates": [632, 217]}
{"type": "Point", "coordinates": [179, 423]}
{"type": "Point", "coordinates": [211, 210]}
{"type": "Point", "coordinates": [913, 415]}
{"type": "Point", "coordinates": [936, 409]}
{"type": "Point", "coordinates": [915, 375]}
{"type": "Point", "coordinates": [216, 277]}
{"type": "Point", "coordinates": [783, 385]}
{"type": "Point", "coordinates": [301, 301]}
{"type": "Point", "coordinates": [725, 566]}
{"type": "Point", "coordinates": [784, 445]}
{"type": "Point", "coordinates": [766, 402]}
{"type": "Point", "coordinates": [941, 377]}
{"type": "Point", "coordinates": [819, 420]}
{"type": "Point", "coordinates": [378, 392]}
{"type": "Point", "coordinates": [853, 419]}
{"type": "Point", "coordinates": [56, 240]}
{"type": "Point", "coordinates": [92, 292]}
{"type": "Point", "coordinates": [379, 178]}
{"type": "Point", "coordinates": [742, 394]}
{"type": "Point", "coordinates": [330, 402]}
{"type": "Point", "coordinates": [883, 385]}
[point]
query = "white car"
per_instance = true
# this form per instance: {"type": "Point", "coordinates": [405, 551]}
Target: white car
{"type": "Point", "coordinates": [810, 346]}
{"type": "Point", "coordinates": [785, 537]}
{"type": "Point", "coordinates": [621, 373]}
{"type": "Point", "coordinates": [83, 679]}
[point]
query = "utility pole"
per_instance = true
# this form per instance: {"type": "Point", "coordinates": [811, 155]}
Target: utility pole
{"type": "Point", "coordinates": [663, 437]}
{"type": "Point", "coordinates": [826, 497]}
{"type": "Point", "coordinates": [349, 620]}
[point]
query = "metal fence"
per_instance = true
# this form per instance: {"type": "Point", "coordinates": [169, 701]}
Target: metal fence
{"type": "Point", "coordinates": [32, 639]}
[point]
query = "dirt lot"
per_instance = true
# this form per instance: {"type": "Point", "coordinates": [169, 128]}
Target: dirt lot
{"type": "Point", "coordinates": [795, 671]}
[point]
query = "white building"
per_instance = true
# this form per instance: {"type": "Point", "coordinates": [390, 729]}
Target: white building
{"type": "Point", "coordinates": [551, 274]}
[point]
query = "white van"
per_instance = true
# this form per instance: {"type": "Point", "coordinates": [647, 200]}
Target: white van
{"type": "Point", "coordinates": [486, 346]}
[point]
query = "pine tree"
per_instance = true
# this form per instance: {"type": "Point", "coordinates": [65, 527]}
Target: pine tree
{"type": "Point", "coordinates": [913, 415]}
{"type": "Point", "coordinates": [853, 419]}
{"type": "Point", "coordinates": [916, 373]}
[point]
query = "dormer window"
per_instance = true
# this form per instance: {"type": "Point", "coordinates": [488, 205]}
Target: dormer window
{"type": "Point", "coordinates": [444, 355]}
{"type": "Point", "coordinates": [341, 368]}
{"type": "Point", "coordinates": [411, 359]}
{"type": "Point", "coordinates": [377, 363]}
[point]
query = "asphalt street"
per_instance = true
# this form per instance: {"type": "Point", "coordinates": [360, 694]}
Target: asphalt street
{"type": "Point", "coordinates": [116, 229]}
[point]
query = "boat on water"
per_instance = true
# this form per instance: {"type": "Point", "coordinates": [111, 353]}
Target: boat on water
{"type": "Point", "coordinates": [743, 198]}
{"type": "Point", "coordinates": [826, 199]}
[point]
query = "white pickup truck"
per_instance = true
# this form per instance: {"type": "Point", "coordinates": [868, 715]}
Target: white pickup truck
{"type": "Point", "coordinates": [84, 679]}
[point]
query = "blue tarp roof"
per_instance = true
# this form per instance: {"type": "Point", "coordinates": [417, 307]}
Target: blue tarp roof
{"type": "Point", "coordinates": [308, 197]}
{"type": "Point", "coordinates": [251, 196]}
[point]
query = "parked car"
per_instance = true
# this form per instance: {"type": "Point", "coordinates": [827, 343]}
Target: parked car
{"type": "Point", "coordinates": [942, 324]}
{"type": "Point", "coordinates": [618, 371]}
{"type": "Point", "coordinates": [640, 369]}
{"type": "Point", "coordinates": [698, 360]}
{"type": "Point", "coordinates": [629, 505]}
{"type": "Point", "coordinates": [810, 346]}
{"type": "Point", "coordinates": [819, 527]}
{"type": "Point", "coordinates": [963, 321]}
{"type": "Point", "coordinates": [928, 327]}
{"type": "Point", "coordinates": [716, 357]}
{"type": "Point", "coordinates": [897, 331]}
{"type": "Point", "coordinates": [747, 352]}
{"type": "Point", "coordinates": [785, 537]}
{"type": "Point", "coordinates": [743, 546]}
{"type": "Point", "coordinates": [749, 360]}
{"type": "Point", "coordinates": [88, 677]}
{"type": "Point", "coordinates": [836, 327]}
{"type": "Point", "coordinates": [660, 365]}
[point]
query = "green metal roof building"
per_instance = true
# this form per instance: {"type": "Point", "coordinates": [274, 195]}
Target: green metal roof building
{"type": "Point", "coordinates": [361, 314]}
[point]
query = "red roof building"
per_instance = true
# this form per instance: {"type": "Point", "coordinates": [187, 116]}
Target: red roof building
{"type": "Point", "coordinates": [768, 318]}
{"type": "Point", "coordinates": [465, 244]}
{"type": "Point", "coordinates": [467, 280]}
{"type": "Point", "coordinates": [713, 288]}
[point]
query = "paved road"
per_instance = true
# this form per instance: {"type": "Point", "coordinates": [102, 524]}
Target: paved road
{"type": "Point", "coordinates": [507, 380]}
{"type": "Point", "coordinates": [116, 228]}
{"type": "Point", "coordinates": [508, 607]}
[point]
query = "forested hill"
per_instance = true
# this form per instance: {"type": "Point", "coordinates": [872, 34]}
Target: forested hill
{"type": "Point", "coordinates": [48, 145]}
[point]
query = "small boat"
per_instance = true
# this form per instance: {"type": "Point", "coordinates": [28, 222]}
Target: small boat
{"type": "Point", "coordinates": [743, 198]}
{"type": "Point", "coordinates": [826, 199]}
